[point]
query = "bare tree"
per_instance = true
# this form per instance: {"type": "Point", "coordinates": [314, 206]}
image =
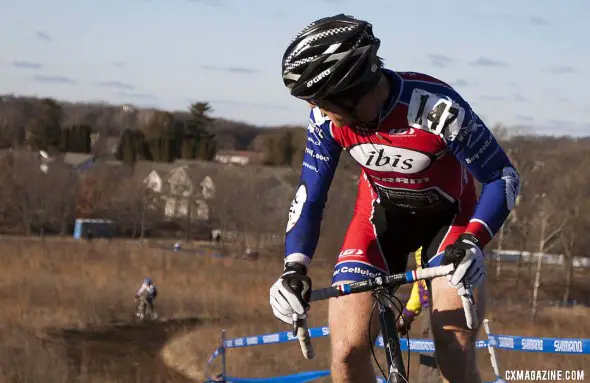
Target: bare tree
{"type": "Point", "coordinates": [572, 194]}
{"type": "Point", "coordinates": [61, 193]}
{"type": "Point", "coordinates": [12, 122]}
{"type": "Point", "coordinates": [135, 207]}
{"type": "Point", "coordinates": [547, 241]}
{"type": "Point", "coordinates": [27, 190]}
{"type": "Point", "coordinates": [250, 206]}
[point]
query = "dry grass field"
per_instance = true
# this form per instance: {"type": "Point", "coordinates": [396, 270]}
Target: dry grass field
{"type": "Point", "coordinates": [66, 315]}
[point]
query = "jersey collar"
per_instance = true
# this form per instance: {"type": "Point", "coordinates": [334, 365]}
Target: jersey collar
{"type": "Point", "coordinates": [397, 84]}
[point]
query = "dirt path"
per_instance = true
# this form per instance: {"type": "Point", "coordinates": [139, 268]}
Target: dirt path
{"type": "Point", "coordinates": [122, 353]}
{"type": "Point", "coordinates": [181, 354]}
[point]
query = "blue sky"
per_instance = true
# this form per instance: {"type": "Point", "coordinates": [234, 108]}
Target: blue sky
{"type": "Point", "coordinates": [516, 62]}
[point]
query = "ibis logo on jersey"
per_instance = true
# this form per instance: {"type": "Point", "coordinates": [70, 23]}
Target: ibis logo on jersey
{"type": "Point", "coordinates": [389, 158]}
{"type": "Point", "coordinates": [318, 78]}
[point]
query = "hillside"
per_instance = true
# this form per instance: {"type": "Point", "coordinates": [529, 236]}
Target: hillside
{"type": "Point", "coordinates": [66, 311]}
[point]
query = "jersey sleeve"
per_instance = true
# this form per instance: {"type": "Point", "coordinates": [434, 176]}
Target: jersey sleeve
{"type": "Point", "coordinates": [444, 112]}
{"type": "Point", "coordinates": [320, 160]}
{"type": "Point", "coordinates": [478, 150]}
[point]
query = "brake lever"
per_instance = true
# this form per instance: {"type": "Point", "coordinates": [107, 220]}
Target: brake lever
{"type": "Point", "coordinates": [296, 323]}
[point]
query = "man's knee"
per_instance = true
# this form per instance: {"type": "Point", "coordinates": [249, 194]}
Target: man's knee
{"type": "Point", "coordinates": [454, 341]}
{"type": "Point", "coordinates": [451, 323]}
{"type": "Point", "coordinates": [349, 318]}
{"type": "Point", "coordinates": [449, 335]}
{"type": "Point", "coordinates": [447, 309]}
{"type": "Point", "coordinates": [349, 353]}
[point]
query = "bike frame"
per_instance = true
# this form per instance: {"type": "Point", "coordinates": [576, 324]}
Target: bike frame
{"type": "Point", "coordinates": [395, 363]}
{"type": "Point", "coordinates": [385, 285]}
{"type": "Point", "coordinates": [143, 310]}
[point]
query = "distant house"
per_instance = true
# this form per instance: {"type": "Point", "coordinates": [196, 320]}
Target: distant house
{"type": "Point", "coordinates": [182, 193]}
{"type": "Point", "coordinates": [188, 195]}
{"type": "Point", "coordinates": [154, 181]}
{"type": "Point", "coordinates": [190, 188]}
{"type": "Point", "coordinates": [128, 108]}
{"type": "Point", "coordinates": [236, 157]}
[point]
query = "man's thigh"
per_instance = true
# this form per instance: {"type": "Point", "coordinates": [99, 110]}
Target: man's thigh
{"type": "Point", "coordinates": [349, 317]}
{"type": "Point", "coordinates": [447, 307]}
{"type": "Point", "coordinates": [361, 257]}
{"type": "Point", "coordinates": [454, 341]}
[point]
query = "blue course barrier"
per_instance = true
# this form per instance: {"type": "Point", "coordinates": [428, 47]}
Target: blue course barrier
{"type": "Point", "coordinates": [547, 345]}
{"type": "Point", "coordinates": [507, 342]}
{"type": "Point", "coordinates": [295, 378]}
{"type": "Point", "coordinates": [317, 332]}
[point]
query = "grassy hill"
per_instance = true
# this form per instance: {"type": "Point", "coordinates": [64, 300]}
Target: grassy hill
{"type": "Point", "coordinates": [66, 309]}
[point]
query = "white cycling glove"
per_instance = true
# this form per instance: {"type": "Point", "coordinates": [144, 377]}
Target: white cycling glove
{"type": "Point", "coordinates": [290, 293]}
{"type": "Point", "coordinates": [470, 267]}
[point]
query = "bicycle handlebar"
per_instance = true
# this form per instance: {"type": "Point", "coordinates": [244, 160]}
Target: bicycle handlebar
{"type": "Point", "coordinates": [300, 330]}
{"type": "Point", "coordinates": [384, 281]}
{"type": "Point", "coordinates": [299, 326]}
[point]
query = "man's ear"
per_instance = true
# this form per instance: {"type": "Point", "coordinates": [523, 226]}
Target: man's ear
{"type": "Point", "coordinates": [311, 104]}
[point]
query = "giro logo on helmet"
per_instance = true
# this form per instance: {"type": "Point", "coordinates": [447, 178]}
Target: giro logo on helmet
{"type": "Point", "coordinates": [318, 78]}
{"type": "Point", "coordinates": [331, 55]}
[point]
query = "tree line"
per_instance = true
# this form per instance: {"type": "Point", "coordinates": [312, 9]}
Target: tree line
{"type": "Point", "coordinates": [147, 134]}
{"type": "Point", "coordinates": [165, 139]}
{"type": "Point", "coordinates": [156, 135]}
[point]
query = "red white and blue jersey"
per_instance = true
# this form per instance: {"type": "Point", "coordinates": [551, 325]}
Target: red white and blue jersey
{"type": "Point", "coordinates": [428, 145]}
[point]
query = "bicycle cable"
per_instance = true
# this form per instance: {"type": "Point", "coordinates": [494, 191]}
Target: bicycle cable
{"type": "Point", "coordinates": [399, 307]}
{"type": "Point", "coordinates": [371, 345]}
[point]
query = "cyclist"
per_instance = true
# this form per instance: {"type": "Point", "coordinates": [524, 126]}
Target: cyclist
{"type": "Point", "coordinates": [420, 146]}
{"type": "Point", "coordinates": [148, 292]}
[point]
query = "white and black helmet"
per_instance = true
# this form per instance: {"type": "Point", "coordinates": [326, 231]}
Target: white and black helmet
{"type": "Point", "coordinates": [331, 56]}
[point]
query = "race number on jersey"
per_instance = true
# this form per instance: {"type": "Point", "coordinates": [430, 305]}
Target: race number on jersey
{"type": "Point", "coordinates": [435, 113]}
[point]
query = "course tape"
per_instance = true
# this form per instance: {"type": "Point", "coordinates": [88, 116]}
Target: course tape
{"type": "Point", "coordinates": [295, 378]}
{"type": "Point", "coordinates": [215, 354]}
{"type": "Point", "coordinates": [547, 345]}
{"type": "Point", "coordinates": [317, 332]}
{"type": "Point", "coordinates": [507, 342]}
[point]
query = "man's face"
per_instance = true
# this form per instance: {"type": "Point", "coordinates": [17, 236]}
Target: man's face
{"type": "Point", "coordinates": [339, 116]}
{"type": "Point", "coordinates": [347, 113]}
